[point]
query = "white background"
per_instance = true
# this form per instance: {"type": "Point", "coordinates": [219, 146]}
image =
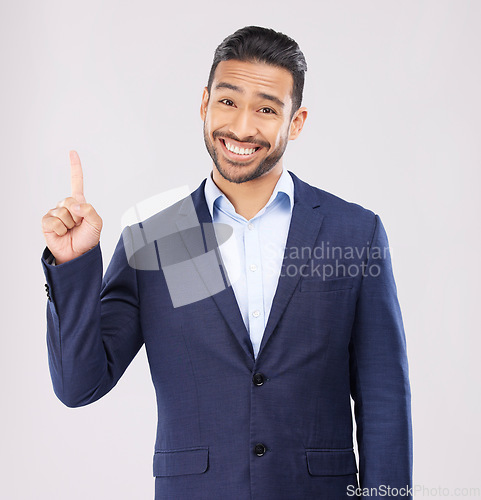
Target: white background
{"type": "Point", "coordinates": [394, 124]}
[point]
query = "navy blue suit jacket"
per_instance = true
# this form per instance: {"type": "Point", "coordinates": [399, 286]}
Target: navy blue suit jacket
{"type": "Point", "coordinates": [231, 426]}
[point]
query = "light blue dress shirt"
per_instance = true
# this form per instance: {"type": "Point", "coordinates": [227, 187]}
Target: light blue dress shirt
{"type": "Point", "coordinates": [253, 255]}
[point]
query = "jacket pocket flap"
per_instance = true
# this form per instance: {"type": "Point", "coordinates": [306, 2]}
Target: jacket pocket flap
{"type": "Point", "coordinates": [320, 285]}
{"type": "Point", "coordinates": [181, 462]}
{"type": "Point", "coordinates": [331, 462]}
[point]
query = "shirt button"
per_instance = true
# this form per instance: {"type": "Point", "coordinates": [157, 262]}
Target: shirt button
{"type": "Point", "coordinates": [256, 313]}
{"type": "Point", "coordinates": [260, 449]}
{"type": "Point", "coordinates": [258, 379]}
{"type": "Point", "coordinates": [253, 267]}
{"type": "Point", "coordinates": [250, 226]}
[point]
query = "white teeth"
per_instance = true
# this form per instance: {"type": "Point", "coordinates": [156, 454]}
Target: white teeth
{"type": "Point", "coordinates": [237, 150]}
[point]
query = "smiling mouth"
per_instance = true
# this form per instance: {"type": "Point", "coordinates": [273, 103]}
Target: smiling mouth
{"type": "Point", "coordinates": [234, 151]}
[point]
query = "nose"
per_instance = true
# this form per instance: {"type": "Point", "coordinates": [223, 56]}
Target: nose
{"type": "Point", "coordinates": [243, 125]}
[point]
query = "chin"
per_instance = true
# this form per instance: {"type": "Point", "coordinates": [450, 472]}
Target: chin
{"type": "Point", "coordinates": [242, 173]}
{"type": "Point", "coordinates": [232, 175]}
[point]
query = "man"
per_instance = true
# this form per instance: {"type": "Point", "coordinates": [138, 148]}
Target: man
{"type": "Point", "coordinates": [256, 337]}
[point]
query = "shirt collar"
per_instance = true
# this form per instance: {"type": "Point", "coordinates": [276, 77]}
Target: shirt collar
{"type": "Point", "coordinates": [213, 193]}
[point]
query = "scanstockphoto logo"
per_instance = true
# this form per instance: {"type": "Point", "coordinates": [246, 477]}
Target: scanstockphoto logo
{"type": "Point", "coordinates": [417, 491]}
{"type": "Point", "coordinates": [199, 260]}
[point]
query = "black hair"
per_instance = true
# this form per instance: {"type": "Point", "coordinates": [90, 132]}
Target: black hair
{"type": "Point", "coordinates": [257, 44]}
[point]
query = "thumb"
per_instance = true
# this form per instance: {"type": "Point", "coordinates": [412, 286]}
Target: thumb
{"type": "Point", "coordinates": [87, 211]}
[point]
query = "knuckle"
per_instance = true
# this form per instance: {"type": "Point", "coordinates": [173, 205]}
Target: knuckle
{"type": "Point", "coordinates": [46, 222]}
{"type": "Point", "coordinates": [69, 223]}
{"type": "Point", "coordinates": [66, 202]}
{"type": "Point", "coordinates": [55, 212]}
{"type": "Point", "coordinates": [64, 214]}
{"type": "Point", "coordinates": [59, 227]}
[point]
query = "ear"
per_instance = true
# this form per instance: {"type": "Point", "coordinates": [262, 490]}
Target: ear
{"type": "Point", "coordinates": [203, 105]}
{"type": "Point", "coordinates": [297, 123]}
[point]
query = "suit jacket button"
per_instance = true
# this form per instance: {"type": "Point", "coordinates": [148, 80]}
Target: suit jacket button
{"type": "Point", "coordinates": [258, 379]}
{"type": "Point", "coordinates": [260, 449]}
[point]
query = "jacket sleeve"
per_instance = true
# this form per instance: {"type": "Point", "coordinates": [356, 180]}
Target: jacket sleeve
{"type": "Point", "coordinates": [379, 377]}
{"type": "Point", "coordinates": [93, 325]}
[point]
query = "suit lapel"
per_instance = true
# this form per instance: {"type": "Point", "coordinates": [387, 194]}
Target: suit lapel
{"type": "Point", "coordinates": [303, 231]}
{"type": "Point", "coordinates": [224, 299]}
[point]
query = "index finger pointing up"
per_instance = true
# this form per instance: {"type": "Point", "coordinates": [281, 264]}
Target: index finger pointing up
{"type": "Point", "coordinates": [76, 177]}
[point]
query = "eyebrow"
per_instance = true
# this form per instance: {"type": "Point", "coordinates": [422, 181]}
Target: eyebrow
{"type": "Point", "coordinates": [269, 97]}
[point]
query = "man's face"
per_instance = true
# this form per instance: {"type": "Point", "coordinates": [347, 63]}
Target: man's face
{"type": "Point", "coordinates": [247, 118]}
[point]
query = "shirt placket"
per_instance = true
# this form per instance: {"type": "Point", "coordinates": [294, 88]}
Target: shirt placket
{"type": "Point", "coordinates": [253, 272]}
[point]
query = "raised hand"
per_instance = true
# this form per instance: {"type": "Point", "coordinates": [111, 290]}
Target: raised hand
{"type": "Point", "coordinates": [73, 227]}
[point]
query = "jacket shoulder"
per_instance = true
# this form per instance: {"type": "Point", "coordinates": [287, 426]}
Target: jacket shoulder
{"type": "Point", "coordinates": [333, 205]}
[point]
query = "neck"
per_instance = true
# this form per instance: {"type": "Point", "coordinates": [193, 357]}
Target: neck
{"type": "Point", "coordinates": [251, 196]}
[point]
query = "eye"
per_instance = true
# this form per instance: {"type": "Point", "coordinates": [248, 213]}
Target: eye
{"type": "Point", "coordinates": [228, 102]}
{"type": "Point", "coordinates": [267, 111]}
